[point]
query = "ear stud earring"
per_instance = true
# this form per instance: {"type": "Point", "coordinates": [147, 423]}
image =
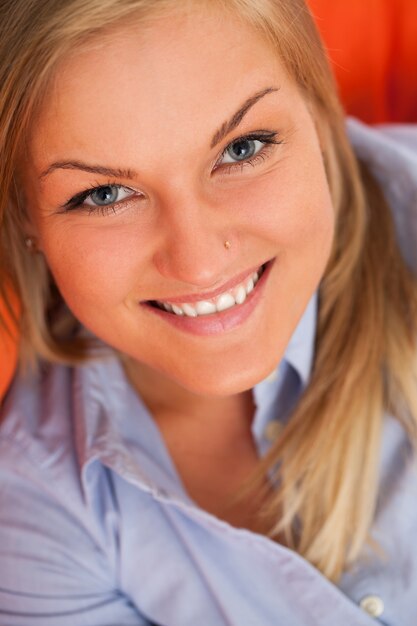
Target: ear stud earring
{"type": "Point", "coordinates": [30, 244]}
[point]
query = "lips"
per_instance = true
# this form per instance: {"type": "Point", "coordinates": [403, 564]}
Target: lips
{"type": "Point", "coordinates": [225, 300]}
{"type": "Point", "coordinates": [216, 324]}
{"type": "Point", "coordinates": [220, 301]}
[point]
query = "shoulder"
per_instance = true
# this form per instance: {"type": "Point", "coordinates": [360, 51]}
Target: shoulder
{"type": "Point", "coordinates": [393, 139]}
{"type": "Point", "coordinates": [36, 412]}
{"type": "Point", "coordinates": [41, 468]}
{"type": "Point", "coordinates": [38, 447]}
{"type": "Point", "coordinates": [50, 421]}
{"type": "Point", "coordinates": [391, 154]}
{"type": "Point", "coordinates": [57, 550]}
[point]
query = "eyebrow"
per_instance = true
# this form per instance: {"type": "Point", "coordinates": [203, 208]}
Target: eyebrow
{"type": "Point", "coordinates": [235, 120]}
{"type": "Point", "coordinates": [220, 134]}
{"type": "Point", "coordinates": [93, 169]}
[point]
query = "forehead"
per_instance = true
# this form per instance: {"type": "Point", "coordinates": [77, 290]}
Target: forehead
{"type": "Point", "coordinates": [177, 74]}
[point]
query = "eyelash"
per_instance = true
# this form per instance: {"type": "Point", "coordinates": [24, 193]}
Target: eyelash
{"type": "Point", "coordinates": [266, 137]}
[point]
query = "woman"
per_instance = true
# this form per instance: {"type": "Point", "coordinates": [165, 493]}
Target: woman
{"type": "Point", "coordinates": [183, 215]}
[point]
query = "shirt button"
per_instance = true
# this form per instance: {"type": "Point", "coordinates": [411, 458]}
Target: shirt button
{"type": "Point", "coordinates": [272, 430]}
{"type": "Point", "coordinates": [372, 605]}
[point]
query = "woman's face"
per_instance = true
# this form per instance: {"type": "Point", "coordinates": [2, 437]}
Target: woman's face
{"type": "Point", "coordinates": [153, 150]}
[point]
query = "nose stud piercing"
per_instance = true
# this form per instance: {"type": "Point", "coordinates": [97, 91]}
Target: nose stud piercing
{"type": "Point", "coordinates": [227, 244]}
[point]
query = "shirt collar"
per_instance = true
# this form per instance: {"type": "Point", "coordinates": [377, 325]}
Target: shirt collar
{"type": "Point", "coordinates": [276, 395]}
{"type": "Point", "coordinates": [300, 350]}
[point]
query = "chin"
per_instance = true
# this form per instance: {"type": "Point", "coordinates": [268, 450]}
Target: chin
{"type": "Point", "coordinates": [221, 383]}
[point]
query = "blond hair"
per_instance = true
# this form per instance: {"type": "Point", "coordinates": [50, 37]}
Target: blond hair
{"type": "Point", "coordinates": [327, 456]}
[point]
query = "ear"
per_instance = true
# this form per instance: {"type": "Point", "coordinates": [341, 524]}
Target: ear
{"type": "Point", "coordinates": [27, 223]}
{"type": "Point", "coordinates": [31, 236]}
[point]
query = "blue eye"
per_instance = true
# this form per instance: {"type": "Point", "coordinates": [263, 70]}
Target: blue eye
{"type": "Point", "coordinates": [248, 150]}
{"type": "Point", "coordinates": [107, 195]}
{"type": "Point", "coordinates": [101, 199]}
{"type": "Point", "coordinates": [242, 149]}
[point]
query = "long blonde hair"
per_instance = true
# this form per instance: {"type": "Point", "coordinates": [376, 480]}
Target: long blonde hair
{"type": "Point", "coordinates": [365, 348]}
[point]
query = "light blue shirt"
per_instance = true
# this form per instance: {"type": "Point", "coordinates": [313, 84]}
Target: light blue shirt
{"type": "Point", "coordinates": [96, 528]}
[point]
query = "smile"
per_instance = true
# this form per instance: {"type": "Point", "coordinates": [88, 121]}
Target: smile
{"type": "Point", "coordinates": [223, 301]}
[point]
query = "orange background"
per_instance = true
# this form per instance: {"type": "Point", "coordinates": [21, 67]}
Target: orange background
{"type": "Point", "coordinates": [373, 48]}
{"type": "Point", "coordinates": [8, 354]}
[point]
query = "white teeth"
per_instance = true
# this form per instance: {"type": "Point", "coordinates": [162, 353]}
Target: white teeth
{"type": "Point", "coordinates": [205, 308]}
{"type": "Point", "coordinates": [240, 295]}
{"type": "Point", "coordinates": [177, 310]}
{"type": "Point", "coordinates": [189, 310]}
{"type": "Point", "coordinates": [225, 301]}
{"type": "Point", "coordinates": [222, 303]}
{"type": "Point", "coordinates": [249, 286]}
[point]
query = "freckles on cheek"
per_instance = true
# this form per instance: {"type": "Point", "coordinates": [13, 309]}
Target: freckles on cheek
{"type": "Point", "coordinates": [92, 268]}
{"type": "Point", "coordinates": [285, 211]}
{"type": "Point", "coordinates": [257, 204]}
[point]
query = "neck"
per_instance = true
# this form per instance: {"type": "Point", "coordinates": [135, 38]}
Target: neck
{"type": "Point", "coordinates": [209, 439]}
{"type": "Point", "coordinates": [167, 401]}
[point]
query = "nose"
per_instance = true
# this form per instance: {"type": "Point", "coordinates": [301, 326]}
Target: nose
{"type": "Point", "coordinates": [196, 246]}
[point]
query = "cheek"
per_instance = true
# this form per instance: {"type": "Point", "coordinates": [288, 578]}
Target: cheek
{"type": "Point", "coordinates": [94, 266]}
{"type": "Point", "coordinates": [290, 207]}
